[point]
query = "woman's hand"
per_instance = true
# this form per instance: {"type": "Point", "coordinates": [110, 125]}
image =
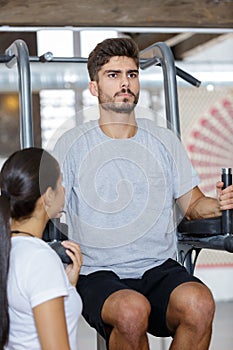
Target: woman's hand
{"type": "Point", "coordinates": [73, 269]}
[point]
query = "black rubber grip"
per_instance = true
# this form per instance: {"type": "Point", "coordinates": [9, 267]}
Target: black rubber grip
{"type": "Point", "coordinates": [61, 251]}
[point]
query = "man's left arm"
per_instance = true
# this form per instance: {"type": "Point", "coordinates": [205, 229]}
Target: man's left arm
{"type": "Point", "coordinates": [195, 205]}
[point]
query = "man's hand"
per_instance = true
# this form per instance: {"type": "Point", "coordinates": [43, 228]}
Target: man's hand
{"type": "Point", "coordinates": [225, 197]}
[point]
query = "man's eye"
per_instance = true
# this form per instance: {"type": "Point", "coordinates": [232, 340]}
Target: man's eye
{"type": "Point", "coordinates": [112, 75]}
{"type": "Point", "coordinates": [132, 75]}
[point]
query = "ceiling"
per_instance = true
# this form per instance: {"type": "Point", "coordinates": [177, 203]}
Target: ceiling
{"type": "Point", "coordinates": [186, 26]}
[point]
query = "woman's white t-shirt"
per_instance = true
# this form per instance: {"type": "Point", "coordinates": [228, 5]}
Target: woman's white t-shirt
{"type": "Point", "coordinates": [37, 275]}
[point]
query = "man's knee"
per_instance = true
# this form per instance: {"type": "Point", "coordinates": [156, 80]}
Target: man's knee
{"type": "Point", "coordinates": [127, 310]}
{"type": "Point", "coordinates": [191, 304]}
{"type": "Point", "coordinates": [200, 311]}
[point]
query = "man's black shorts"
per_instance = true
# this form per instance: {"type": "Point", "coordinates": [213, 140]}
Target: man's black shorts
{"type": "Point", "coordinates": [156, 285]}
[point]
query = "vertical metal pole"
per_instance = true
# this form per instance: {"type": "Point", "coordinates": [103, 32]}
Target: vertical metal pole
{"type": "Point", "coordinates": [165, 56]}
{"type": "Point", "coordinates": [19, 53]}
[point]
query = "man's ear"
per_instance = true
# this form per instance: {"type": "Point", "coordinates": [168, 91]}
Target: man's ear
{"type": "Point", "coordinates": [93, 88]}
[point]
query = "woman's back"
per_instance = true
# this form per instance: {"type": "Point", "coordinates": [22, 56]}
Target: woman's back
{"type": "Point", "coordinates": [40, 307]}
{"type": "Point", "coordinates": [37, 275]}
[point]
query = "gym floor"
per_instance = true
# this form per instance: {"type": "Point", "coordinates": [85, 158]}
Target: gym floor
{"type": "Point", "coordinates": [222, 338]}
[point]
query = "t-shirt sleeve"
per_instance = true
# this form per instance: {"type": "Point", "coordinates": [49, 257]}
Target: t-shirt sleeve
{"type": "Point", "coordinates": [184, 175]}
{"type": "Point", "coordinates": [45, 277]}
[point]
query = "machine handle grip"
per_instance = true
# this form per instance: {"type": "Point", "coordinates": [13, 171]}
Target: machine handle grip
{"type": "Point", "coordinates": [227, 214]}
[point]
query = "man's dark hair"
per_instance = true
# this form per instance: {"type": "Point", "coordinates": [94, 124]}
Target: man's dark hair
{"type": "Point", "coordinates": [110, 48]}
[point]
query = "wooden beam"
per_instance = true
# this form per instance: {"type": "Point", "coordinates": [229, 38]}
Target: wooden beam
{"type": "Point", "coordinates": [195, 44]}
{"type": "Point", "coordinates": [102, 13]}
{"type": "Point", "coordinates": [144, 40]}
{"type": "Point", "coordinates": [6, 39]}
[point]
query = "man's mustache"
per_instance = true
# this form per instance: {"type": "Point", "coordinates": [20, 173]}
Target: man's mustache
{"type": "Point", "coordinates": [123, 91]}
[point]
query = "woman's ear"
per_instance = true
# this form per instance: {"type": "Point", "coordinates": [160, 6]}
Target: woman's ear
{"type": "Point", "coordinates": [48, 197]}
{"type": "Point", "coordinates": [93, 88]}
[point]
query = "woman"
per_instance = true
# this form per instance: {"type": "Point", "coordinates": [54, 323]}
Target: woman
{"type": "Point", "coordinates": [40, 307]}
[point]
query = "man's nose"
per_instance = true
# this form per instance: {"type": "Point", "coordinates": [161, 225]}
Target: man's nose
{"type": "Point", "coordinates": [125, 82]}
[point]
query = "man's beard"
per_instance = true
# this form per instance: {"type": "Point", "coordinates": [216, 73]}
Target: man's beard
{"type": "Point", "coordinates": [123, 107]}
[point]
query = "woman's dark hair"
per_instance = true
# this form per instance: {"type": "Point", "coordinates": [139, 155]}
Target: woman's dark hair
{"type": "Point", "coordinates": [25, 176]}
{"type": "Point", "coordinates": [4, 264]}
{"type": "Point", "coordinates": [110, 48]}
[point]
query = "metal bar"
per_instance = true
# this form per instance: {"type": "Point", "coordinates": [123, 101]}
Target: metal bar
{"type": "Point", "coordinates": [175, 30]}
{"type": "Point", "coordinates": [162, 52]}
{"type": "Point", "coordinates": [188, 77]}
{"type": "Point", "coordinates": [146, 63]}
{"type": "Point", "coordinates": [218, 242]}
{"type": "Point", "coordinates": [5, 58]}
{"type": "Point", "coordinates": [19, 53]}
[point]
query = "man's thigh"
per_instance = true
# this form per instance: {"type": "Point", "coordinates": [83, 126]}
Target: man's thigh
{"type": "Point", "coordinates": [159, 283]}
{"type": "Point", "coordinates": [94, 289]}
{"type": "Point", "coordinates": [156, 285]}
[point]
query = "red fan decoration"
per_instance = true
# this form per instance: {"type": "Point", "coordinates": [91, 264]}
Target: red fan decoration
{"type": "Point", "coordinates": [210, 144]}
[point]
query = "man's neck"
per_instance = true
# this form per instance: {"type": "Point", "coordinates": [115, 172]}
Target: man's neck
{"type": "Point", "coordinates": [120, 126]}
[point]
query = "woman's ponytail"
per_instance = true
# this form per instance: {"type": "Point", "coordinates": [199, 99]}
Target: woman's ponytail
{"type": "Point", "coordinates": [5, 243]}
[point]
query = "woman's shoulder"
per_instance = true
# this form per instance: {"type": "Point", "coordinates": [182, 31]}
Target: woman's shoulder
{"type": "Point", "coordinates": [32, 249]}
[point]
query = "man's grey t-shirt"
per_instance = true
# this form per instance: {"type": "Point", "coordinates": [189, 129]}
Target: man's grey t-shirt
{"type": "Point", "coordinates": [120, 195]}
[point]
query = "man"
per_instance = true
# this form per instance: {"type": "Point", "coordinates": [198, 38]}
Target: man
{"type": "Point", "coordinates": [123, 176]}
